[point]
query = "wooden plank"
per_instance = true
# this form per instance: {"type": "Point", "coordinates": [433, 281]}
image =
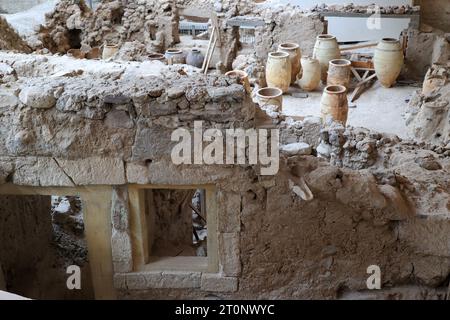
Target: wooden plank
{"type": "Point", "coordinates": [213, 230]}
{"type": "Point", "coordinates": [138, 227]}
{"type": "Point", "coordinates": [358, 46]}
{"type": "Point", "coordinates": [208, 49]}
{"type": "Point", "coordinates": [211, 55]}
{"type": "Point", "coordinates": [97, 220]}
{"type": "Point", "coordinates": [362, 64]}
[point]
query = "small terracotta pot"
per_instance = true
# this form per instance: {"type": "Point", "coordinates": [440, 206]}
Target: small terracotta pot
{"type": "Point", "coordinates": [334, 104]}
{"type": "Point", "coordinates": [270, 96]}
{"type": "Point", "coordinates": [243, 78]}
{"type": "Point", "coordinates": [157, 57]}
{"type": "Point", "coordinates": [339, 73]}
{"type": "Point", "coordinates": [95, 53]}
{"type": "Point", "coordinates": [109, 50]}
{"type": "Point", "coordinates": [76, 53]}
{"type": "Point", "coordinates": [175, 56]}
{"type": "Point", "coordinates": [278, 70]}
{"type": "Point", "coordinates": [293, 49]}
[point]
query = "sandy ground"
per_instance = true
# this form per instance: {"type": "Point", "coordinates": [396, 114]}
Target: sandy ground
{"type": "Point", "coordinates": [378, 108]}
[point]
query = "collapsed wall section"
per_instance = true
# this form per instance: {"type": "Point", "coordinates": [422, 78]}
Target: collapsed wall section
{"type": "Point", "coordinates": [73, 25]}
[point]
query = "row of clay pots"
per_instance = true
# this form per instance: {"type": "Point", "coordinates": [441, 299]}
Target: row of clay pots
{"type": "Point", "coordinates": [194, 58]}
{"type": "Point", "coordinates": [334, 72]}
{"type": "Point", "coordinates": [333, 104]}
{"type": "Point", "coordinates": [284, 66]}
{"type": "Point", "coordinates": [172, 56]}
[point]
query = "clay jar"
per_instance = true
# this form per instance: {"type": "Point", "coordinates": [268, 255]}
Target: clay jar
{"type": "Point", "coordinates": [278, 71]}
{"type": "Point", "coordinates": [195, 58]}
{"type": "Point", "coordinates": [295, 55]}
{"type": "Point", "coordinates": [339, 72]}
{"type": "Point", "coordinates": [334, 104]}
{"type": "Point", "coordinates": [310, 79]}
{"type": "Point", "coordinates": [325, 50]}
{"type": "Point", "coordinates": [388, 61]}
{"type": "Point", "coordinates": [109, 50]}
{"type": "Point", "coordinates": [270, 96]}
{"type": "Point", "coordinates": [175, 56]}
{"type": "Point", "coordinates": [243, 78]}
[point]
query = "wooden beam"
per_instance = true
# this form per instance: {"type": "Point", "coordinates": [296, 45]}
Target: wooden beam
{"type": "Point", "coordinates": [138, 227]}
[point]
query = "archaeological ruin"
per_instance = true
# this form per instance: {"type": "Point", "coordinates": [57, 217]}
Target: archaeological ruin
{"type": "Point", "coordinates": [233, 149]}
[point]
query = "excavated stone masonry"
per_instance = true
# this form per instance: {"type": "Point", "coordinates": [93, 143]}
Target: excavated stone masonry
{"type": "Point", "coordinates": [10, 40]}
{"type": "Point", "coordinates": [381, 201]}
{"type": "Point", "coordinates": [73, 25]}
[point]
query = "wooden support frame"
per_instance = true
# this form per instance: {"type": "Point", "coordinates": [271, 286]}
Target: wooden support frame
{"type": "Point", "coordinates": [97, 218]}
{"type": "Point", "coordinates": [363, 82]}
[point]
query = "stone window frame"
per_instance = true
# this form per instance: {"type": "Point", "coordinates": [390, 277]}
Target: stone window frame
{"type": "Point", "coordinates": [130, 252]}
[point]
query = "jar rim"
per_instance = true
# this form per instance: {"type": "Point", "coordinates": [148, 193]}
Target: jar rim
{"type": "Point", "coordinates": [335, 89]}
{"type": "Point", "coordinates": [289, 45]}
{"type": "Point", "coordinates": [326, 37]}
{"type": "Point", "coordinates": [269, 92]}
{"type": "Point", "coordinates": [279, 55]}
{"type": "Point", "coordinates": [340, 62]}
